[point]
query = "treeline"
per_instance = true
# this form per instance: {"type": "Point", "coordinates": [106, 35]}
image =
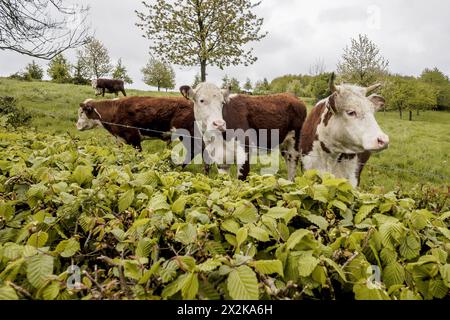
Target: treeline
{"type": "Point", "coordinates": [93, 62]}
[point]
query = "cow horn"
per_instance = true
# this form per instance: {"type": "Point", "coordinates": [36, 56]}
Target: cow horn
{"type": "Point", "coordinates": [333, 87]}
{"type": "Point", "coordinates": [372, 88]}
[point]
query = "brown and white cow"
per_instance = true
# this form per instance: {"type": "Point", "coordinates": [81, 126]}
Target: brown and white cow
{"type": "Point", "coordinates": [122, 116]}
{"type": "Point", "coordinates": [216, 110]}
{"type": "Point", "coordinates": [103, 86]}
{"type": "Point", "coordinates": [341, 132]}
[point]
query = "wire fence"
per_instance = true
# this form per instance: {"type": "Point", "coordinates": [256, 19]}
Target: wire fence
{"type": "Point", "coordinates": [417, 173]}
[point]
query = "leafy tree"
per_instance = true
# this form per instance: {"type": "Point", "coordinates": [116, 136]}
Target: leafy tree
{"type": "Point", "coordinates": [361, 62]}
{"type": "Point", "coordinates": [441, 83]}
{"type": "Point", "coordinates": [120, 72]}
{"type": "Point", "coordinates": [235, 85]}
{"type": "Point", "coordinates": [225, 82]}
{"type": "Point", "coordinates": [43, 28]}
{"type": "Point", "coordinates": [408, 94]}
{"type": "Point", "coordinates": [96, 58]}
{"type": "Point", "coordinates": [33, 71]}
{"type": "Point", "coordinates": [248, 85]}
{"type": "Point", "coordinates": [319, 86]}
{"type": "Point", "coordinates": [202, 32]}
{"type": "Point", "coordinates": [196, 81]}
{"type": "Point", "coordinates": [159, 74]}
{"type": "Point", "coordinates": [80, 71]}
{"type": "Point", "coordinates": [295, 87]}
{"type": "Point", "coordinates": [262, 87]}
{"type": "Point", "coordinates": [59, 69]}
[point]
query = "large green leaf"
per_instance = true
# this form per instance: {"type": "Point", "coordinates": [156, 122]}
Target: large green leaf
{"type": "Point", "coordinates": [296, 237]}
{"type": "Point", "coordinates": [39, 268]}
{"type": "Point", "coordinates": [8, 293]}
{"type": "Point", "coordinates": [126, 200]}
{"type": "Point", "coordinates": [246, 212]}
{"type": "Point", "coordinates": [306, 265]}
{"type": "Point", "coordinates": [269, 266]}
{"type": "Point", "coordinates": [68, 248]}
{"type": "Point", "coordinates": [242, 284]}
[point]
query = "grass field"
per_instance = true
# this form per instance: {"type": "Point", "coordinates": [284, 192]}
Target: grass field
{"type": "Point", "coordinates": [419, 151]}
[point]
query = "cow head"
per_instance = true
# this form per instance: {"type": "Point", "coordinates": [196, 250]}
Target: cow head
{"type": "Point", "coordinates": [88, 116]}
{"type": "Point", "coordinates": [208, 104]}
{"type": "Point", "coordinates": [349, 126]}
{"type": "Point", "coordinates": [94, 83]}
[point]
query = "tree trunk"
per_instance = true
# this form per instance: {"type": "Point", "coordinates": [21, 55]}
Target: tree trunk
{"type": "Point", "coordinates": [401, 112]}
{"type": "Point", "coordinates": [159, 88]}
{"type": "Point", "coordinates": [410, 115]}
{"type": "Point", "coordinates": [203, 70]}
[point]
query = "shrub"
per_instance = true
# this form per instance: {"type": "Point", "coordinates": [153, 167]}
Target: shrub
{"type": "Point", "coordinates": [130, 226]}
{"type": "Point", "coordinates": [11, 114]}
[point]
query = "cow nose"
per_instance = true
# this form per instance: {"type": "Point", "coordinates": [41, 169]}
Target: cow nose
{"type": "Point", "coordinates": [220, 125]}
{"type": "Point", "coordinates": [383, 141]}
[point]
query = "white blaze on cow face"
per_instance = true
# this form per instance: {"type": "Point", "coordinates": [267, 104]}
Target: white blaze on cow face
{"type": "Point", "coordinates": [353, 128]}
{"type": "Point", "coordinates": [87, 117]}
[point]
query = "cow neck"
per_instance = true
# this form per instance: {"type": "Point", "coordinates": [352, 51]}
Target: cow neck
{"type": "Point", "coordinates": [105, 111]}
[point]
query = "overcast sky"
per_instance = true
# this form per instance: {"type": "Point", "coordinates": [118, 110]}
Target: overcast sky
{"type": "Point", "coordinates": [412, 35]}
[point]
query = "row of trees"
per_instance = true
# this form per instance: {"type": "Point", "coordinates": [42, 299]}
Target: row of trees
{"type": "Point", "coordinates": [93, 61]}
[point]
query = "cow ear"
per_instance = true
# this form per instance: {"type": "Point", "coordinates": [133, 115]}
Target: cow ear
{"type": "Point", "coordinates": [226, 94]}
{"type": "Point", "coordinates": [187, 92]}
{"type": "Point", "coordinates": [378, 101]}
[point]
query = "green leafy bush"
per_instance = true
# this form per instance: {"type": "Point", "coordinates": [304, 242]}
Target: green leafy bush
{"type": "Point", "coordinates": [128, 225]}
{"type": "Point", "coordinates": [11, 115]}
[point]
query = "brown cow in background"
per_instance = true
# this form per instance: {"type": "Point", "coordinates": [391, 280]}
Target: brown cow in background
{"type": "Point", "coordinates": [103, 86]}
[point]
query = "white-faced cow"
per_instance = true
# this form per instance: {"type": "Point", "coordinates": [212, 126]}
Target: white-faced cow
{"type": "Point", "coordinates": [102, 86]}
{"type": "Point", "coordinates": [216, 110]}
{"type": "Point", "coordinates": [341, 132]}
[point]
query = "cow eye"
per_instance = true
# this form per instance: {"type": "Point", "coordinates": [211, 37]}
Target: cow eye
{"type": "Point", "coordinates": [351, 113]}
{"type": "Point", "coordinates": [202, 101]}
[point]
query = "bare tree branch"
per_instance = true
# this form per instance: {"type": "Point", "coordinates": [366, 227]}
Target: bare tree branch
{"type": "Point", "coordinates": [42, 28]}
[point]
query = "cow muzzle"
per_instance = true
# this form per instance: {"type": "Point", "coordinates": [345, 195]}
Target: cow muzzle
{"type": "Point", "coordinates": [220, 125]}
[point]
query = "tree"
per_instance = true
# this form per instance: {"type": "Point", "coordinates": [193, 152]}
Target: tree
{"type": "Point", "coordinates": [202, 32]}
{"type": "Point", "coordinates": [262, 87]}
{"type": "Point", "coordinates": [235, 85]}
{"type": "Point", "coordinates": [408, 94]}
{"type": "Point", "coordinates": [440, 83]}
{"type": "Point", "coordinates": [159, 74]}
{"type": "Point", "coordinates": [33, 71]}
{"type": "Point", "coordinates": [317, 68]}
{"type": "Point", "coordinates": [295, 87]}
{"type": "Point", "coordinates": [248, 85]}
{"type": "Point", "coordinates": [41, 29]}
{"type": "Point", "coordinates": [319, 86]}
{"type": "Point", "coordinates": [362, 63]}
{"type": "Point", "coordinates": [225, 82]}
{"type": "Point", "coordinates": [96, 58]}
{"type": "Point", "coordinates": [120, 72]}
{"type": "Point", "coordinates": [196, 81]}
{"type": "Point", "coordinates": [59, 69]}
{"type": "Point", "coordinates": [80, 71]}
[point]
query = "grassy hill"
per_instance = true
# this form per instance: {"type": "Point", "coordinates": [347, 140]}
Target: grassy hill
{"type": "Point", "coordinates": [419, 151]}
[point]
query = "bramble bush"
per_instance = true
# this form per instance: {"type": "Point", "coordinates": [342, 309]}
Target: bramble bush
{"type": "Point", "coordinates": [130, 225]}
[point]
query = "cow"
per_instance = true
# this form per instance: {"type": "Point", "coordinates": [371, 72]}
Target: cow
{"type": "Point", "coordinates": [341, 132]}
{"type": "Point", "coordinates": [158, 117]}
{"type": "Point", "coordinates": [101, 86]}
{"type": "Point", "coordinates": [217, 110]}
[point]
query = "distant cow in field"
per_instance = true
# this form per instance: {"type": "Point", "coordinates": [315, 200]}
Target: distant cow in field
{"type": "Point", "coordinates": [159, 115]}
{"type": "Point", "coordinates": [217, 110]}
{"type": "Point", "coordinates": [103, 86]}
{"type": "Point", "coordinates": [341, 132]}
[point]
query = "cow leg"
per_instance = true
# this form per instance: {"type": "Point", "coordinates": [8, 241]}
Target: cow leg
{"type": "Point", "coordinates": [116, 94]}
{"type": "Point", "coordinates": [133, 137]}
{"type": "Point", "coordinates": [124, 94]}
{"type": "Point", "coordinates": [103, 92]}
